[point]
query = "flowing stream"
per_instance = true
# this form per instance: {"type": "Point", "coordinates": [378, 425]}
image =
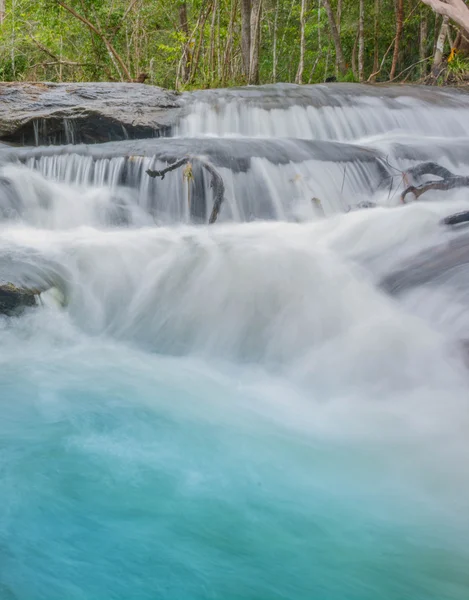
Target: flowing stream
{"type": "Point", "coordinates": [242, 411]}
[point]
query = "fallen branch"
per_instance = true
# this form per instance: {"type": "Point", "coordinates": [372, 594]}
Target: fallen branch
{"type": "Point", "coordinates": [410, 68]}
{"type": "Point", "coordinates": [430, 168]}
{"type": "Point", "coordinates": [444, 185]}
{"type": "Point", "coordinates": [218, 186]}
{"type": "Point", "coordinates": [448, 180]}
{"type": "Point", "coordinates": [172, 167]}
{"type": "Point", "coordinates": [216, 183]}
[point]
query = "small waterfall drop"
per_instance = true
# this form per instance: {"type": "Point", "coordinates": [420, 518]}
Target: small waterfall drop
{"type": "Point", "coordinates": [287, 179]}
{"type": "Point", "coordinates": [342, 112]}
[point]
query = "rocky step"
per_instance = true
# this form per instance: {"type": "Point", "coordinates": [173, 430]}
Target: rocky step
{"type": "Point", "coordinates": [55, 113]}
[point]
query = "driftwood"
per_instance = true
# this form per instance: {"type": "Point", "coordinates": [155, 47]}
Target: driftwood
{"type": "Point", "coordinates": [448, 180]}
{"type": "Point", "coordinates": [216, 183]}
{"type": "Point", "coordinates": [172, 167]}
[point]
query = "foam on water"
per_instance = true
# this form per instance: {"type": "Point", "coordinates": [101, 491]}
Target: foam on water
{"type": "Point", "coordinates": [311, 422]}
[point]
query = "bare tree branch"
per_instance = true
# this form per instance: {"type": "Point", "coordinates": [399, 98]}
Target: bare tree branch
{"type": "Point", "coordinates": [43, 48]}
{"type": "Point", "coordinates": [101, 35]}
{"type": "Point", "coordinates": [124, 17]}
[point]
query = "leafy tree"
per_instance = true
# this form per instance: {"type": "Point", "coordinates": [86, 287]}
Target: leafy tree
{"type": "Point", "coordinates": [208, 43]}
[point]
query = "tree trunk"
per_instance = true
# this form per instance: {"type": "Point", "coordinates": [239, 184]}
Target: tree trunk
{"type": "Point", "coordinates": [354, 57]}
{"type": "Point", "coordinates": [456, 10]}
{"type": "Point", "coordinates": [301, 65]}
{"type": "Point", "coordinates": [336, 37]}
{"type": "Point", "coordinates": [440, 48]}
{"type": "Point", "coordinates": [436, 29]}
{"type": "Point", "coordinates": [218, 47]}
{"type": "Point", "coordinates": [319, 26]}
{"type": "Point", "coordinates": [376, 40]}
{"type": "Point", "coordinates": [274, 49]}
{"type": "Point", "coordinates": [184, 25]}
{"type": "Point", "coordinates": [183, 22]}
{"type": "Point", "coordinates": [227, 62]}
{"type": "Point", "coordinates": [212, 68]}
{"type": "Point", "coordinates": [339, 16]}
{"type": "Point", "coordinates": [246, 35]}
{"type": "Point", "coordinates": [450, 37]}
{"type": "Point", "coordinates": [423, 44]}
{"type": "Point", "coordinates": [338, 20]}
{"type": "Point", "coordinates": [397, 41]}
{"type": "Point", "coordinates": [361, 42]}
{"type": "Point", "coordinates": [462, 43]}
{"type": "Point", "coordinates": [256, 10]}
{"type": "Point", "coordinates": [204, 14]}
{"type": "Point", "coordinates": [2, 11]}
{"type": "Point", "coordinates": [326, 68]}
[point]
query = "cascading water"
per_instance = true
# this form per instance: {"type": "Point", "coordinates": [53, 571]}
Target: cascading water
{"type": "Point", "coordinates": [243, 410]}
{"type": "Point", "coordinates": [340, 112]}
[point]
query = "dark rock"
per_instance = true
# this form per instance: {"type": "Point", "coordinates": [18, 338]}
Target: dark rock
{"type": "Point", "coordinates": [13, 300]}
{"type": "Point", "coordinates": [457, 219]}
{"type": "Point", "coordinates": [51, 113]}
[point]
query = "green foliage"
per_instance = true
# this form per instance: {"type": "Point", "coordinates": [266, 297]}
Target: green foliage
{"type": "Point", "coordinates": [40, 40]}
{"type": "Point", "coordinates": [458, 68]}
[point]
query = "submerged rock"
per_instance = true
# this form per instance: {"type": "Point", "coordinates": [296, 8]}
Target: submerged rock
{"type": "Point", "coordinates": [14, 300]}
{"type": "Point", "coordinates": [447, 263]}
{"type": "Point", "coordinates": [54, 113]}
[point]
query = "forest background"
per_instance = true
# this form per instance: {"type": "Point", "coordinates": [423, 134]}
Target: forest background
{"type": "Point", "coordinates": [186, 44]}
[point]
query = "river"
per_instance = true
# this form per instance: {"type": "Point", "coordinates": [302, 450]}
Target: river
{"type": "Point", "coordinates": [237, 411]}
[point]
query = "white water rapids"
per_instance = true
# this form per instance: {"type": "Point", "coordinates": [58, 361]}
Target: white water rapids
{"type": "Point", "coordinates": [239, 410]}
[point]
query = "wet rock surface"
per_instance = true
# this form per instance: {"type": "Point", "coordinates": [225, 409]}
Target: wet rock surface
{"type": "Point", "coordinates": [49, 113]}
{"type": "Point", "coordinates": [279, 96]}
{"type": "Point", "coordinates": [13, 299]}
{"type": "Point", "coordinates": [62, 113]}
{"type": "Point", "coordinates": [233, 153]}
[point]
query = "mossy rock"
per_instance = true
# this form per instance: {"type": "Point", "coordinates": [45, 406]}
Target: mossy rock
{"type": "Point", "coordinates": [13, 299]}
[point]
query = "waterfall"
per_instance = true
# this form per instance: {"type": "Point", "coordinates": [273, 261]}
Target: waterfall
{"type": "Point", "coordinates": [285, 152]}
{"type": "Point", "coordinates": [270, 407]}
{"type": "Point", "coordinates": [267, 179]}
{"type": "Point", "coordinates": [341, 112]}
